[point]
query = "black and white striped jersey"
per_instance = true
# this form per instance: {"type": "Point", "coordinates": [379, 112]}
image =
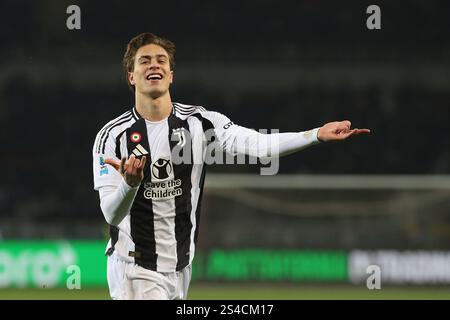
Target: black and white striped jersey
{"type": "Point", "coordinates": [160, 230]}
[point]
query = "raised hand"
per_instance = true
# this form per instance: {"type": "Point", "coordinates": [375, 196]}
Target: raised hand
{"type": "Point", "coordinates": [338, 131]}
{"type": "Point", "coordinates": [132, 170]}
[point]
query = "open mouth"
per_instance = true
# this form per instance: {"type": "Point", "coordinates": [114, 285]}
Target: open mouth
{"type": "Point", "coordinates": [154, 76]}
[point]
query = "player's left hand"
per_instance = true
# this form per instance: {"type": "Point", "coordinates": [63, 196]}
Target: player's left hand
{"type": "Point", "coordinates": [338, 131]}
{"type": "Point", "coordinates": [132, 170]}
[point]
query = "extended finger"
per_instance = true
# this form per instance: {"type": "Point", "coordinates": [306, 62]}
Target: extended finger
{"type": "Point", "coordinates": [358, 131]}
{"type": "Point", "coordinates": [122, 164]}
{"type": "Point", "coordinates": [131, 160]}
{"type": "Point", "coordinates": [143, 160]}
{"type": "Point", "coordinates": [141, 166]}
{"type": "Point", "coordinates": [113, 162]}
{"type": "Point", "coordinates": [131, 164]}
{"type": "Point", "coordinates": [354, 132]}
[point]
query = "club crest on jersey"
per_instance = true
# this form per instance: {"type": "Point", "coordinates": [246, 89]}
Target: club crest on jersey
{"type": "Point", "coordinates": [180, 135]}
{"type": "Point", "coordinates": [135, 137]}
{"type": "Point", "coordinates": [103, 167]}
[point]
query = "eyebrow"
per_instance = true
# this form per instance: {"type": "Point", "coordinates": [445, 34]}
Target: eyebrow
{"type": "Point", "coordinates": [149, 57]}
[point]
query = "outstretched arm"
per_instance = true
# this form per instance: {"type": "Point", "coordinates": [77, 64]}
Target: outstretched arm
{"type": "Point", "coordinates": [116, 202]}
{"type": "Point", "coordinates": [240, 140]}
{"type": "Point", "coordinates": [250, 142]}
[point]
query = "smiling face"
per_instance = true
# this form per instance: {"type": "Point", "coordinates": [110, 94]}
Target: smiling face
{"type": "Point", "coordinates": [151, 74]}
{"type": "Point", "coordinates": [148, 63]}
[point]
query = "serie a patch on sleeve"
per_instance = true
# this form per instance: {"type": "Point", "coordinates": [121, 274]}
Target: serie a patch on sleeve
{"type": "Point", "coordinates": [103, 166]}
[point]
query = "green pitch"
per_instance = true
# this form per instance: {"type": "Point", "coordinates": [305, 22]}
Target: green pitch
{"type": "Point", "coordinates": [249, 292]}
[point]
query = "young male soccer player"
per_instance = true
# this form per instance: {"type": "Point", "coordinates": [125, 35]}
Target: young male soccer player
{"type": "Point", "coordinates": [150, 198]}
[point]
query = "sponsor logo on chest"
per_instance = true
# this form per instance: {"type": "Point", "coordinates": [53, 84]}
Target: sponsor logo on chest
{"type": "Point", "coordinates": [163, 186]}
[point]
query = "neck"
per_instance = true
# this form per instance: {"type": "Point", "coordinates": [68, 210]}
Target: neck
{"type": "Point", "coordinates": [153, 109]}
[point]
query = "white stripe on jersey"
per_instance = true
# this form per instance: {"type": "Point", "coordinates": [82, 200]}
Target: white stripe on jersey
{"type": "Point", "coordinates": [196, 129]}
{"type": "Point", "coordinates": [124, 242]}
{"type": "Point", "coordinates": [163, 210]}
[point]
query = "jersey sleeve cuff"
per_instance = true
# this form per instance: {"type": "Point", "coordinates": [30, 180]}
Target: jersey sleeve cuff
{"type": "Point", "coordinates": [311, 136]}
{"type": "Point", "coordinates": [125, 188]}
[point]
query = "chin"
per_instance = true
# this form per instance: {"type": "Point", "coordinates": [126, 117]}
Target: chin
{"type": "Point", "coordinates": [155, 94]}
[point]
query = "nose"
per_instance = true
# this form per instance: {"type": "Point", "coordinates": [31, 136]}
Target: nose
{"type": "Point", "coordinates": [154, 64]}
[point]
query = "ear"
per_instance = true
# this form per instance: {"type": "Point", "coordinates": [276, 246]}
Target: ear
{"type": "Point", "coordinates": [131, 78]}
{"type": "Point", "coordinates": [171, 77]}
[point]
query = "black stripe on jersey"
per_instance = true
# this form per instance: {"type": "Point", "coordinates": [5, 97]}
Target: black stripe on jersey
{"type": "Point", "coordinates": [183, 204]}
{"type": "Point", "coordinates": [136, 114]}
{"type": "Point", "coordinates": [102, 145]}
{"type": "Point", "coordinates": [141, 212]}
{"type": "Point", "coordinates": [114, 234]}
{"type": "Point", "coordinates": [117, 151]}
{"type": "Point", "coordinates": [206, 125]}
{"type": "Point", "coordinates": [106, 128]}
{"type": "Point", "coordinates": [199, 203]}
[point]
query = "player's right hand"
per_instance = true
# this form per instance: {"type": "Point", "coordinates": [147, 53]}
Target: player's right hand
{"type": "Point", "coordinates": [338, 131]}
{"type": "Point", "coordinates": [132, 170]}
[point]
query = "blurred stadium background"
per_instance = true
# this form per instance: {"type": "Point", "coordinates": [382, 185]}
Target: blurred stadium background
{"type": "Point", "coordinates": [309, 232]}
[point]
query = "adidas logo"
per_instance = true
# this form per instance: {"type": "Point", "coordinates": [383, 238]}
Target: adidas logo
{"type": "Point", "coordinates": [139, 150]}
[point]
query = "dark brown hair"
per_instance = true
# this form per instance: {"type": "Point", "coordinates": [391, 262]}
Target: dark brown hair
{"type": "Point", "coordinates": [139, 41]}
